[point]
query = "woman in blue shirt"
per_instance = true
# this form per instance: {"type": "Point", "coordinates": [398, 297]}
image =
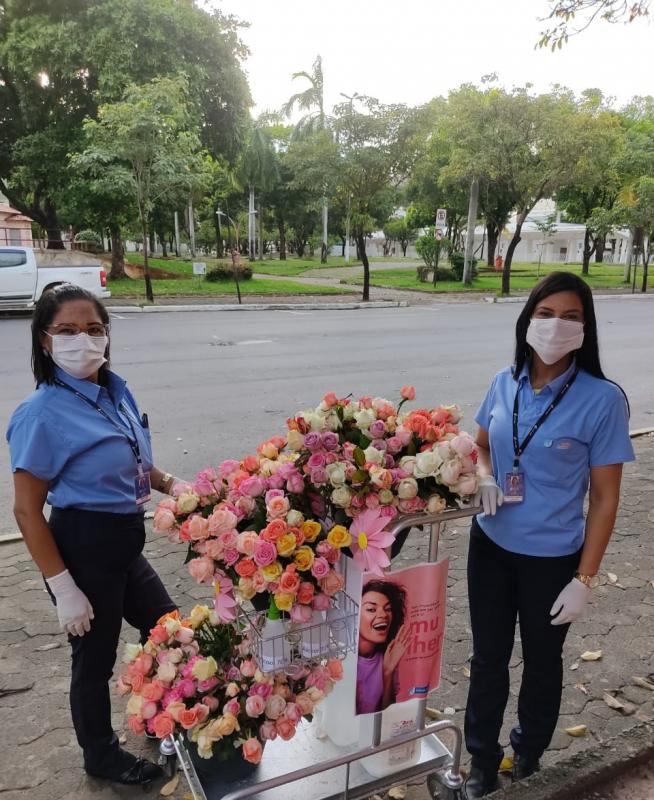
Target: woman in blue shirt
{"type": "Point", "coordinates": [552, 429]}
{"type": "Point", "coordinates": [80, 443]}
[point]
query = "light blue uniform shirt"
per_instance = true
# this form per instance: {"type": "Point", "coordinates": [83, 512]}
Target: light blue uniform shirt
{"type": "Point", "coordinates": [589, 428]}
{"type": "Point", "coordinates": [60, 438]}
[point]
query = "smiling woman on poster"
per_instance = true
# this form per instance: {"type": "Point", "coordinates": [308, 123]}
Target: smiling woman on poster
{"type": "Point", "coordinates": [383, 640]}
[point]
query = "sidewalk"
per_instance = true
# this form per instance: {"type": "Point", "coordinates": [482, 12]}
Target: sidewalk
{"type": "Point", "coordinates": [40, 759]}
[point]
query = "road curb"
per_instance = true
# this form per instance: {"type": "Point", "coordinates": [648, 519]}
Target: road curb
{"type": "Point", "coordinates": [259, 307]}
{"type": "Point", "coordinates": [586, 770]}
{"type": "Point", "coordinates": [596, 297]}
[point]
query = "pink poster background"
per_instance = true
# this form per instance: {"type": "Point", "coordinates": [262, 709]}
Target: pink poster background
{"type": "Point", "coordinates": [419, 669]}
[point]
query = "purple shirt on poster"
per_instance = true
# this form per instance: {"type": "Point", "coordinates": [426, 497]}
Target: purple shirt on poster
{"type": "Point", "coordinates": [370, 683]}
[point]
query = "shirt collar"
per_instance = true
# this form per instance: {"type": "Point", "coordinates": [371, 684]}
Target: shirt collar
{"type": "Point", "coordinates": [554, 386]}
{"type": "Point", "coordinates": [116, 385]}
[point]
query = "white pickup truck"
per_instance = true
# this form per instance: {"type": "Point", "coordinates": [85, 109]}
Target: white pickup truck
{"type": "Point", "coordinates": [26, 273]}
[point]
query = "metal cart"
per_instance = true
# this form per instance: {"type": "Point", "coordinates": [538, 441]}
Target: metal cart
{"type": "Point", "coordinates": [320, 769]}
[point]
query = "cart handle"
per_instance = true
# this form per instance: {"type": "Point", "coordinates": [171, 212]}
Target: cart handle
{"type": "Point", "coordinates": [340, 761]}
{"type": "Point", "coordinates": [405, 521]}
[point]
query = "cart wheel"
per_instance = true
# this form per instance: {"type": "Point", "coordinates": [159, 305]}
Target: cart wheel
{"type": "Point", "coordinates": [439, 792]}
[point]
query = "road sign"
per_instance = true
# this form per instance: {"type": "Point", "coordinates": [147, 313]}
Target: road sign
{"type": "Point", "coordinates": [199, 268]}
{"type": "Point", "coordinates": [441, 218]}
{"type": "Point", "coordinates": [439, 234]}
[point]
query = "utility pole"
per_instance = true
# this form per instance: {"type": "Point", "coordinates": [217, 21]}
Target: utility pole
{"type": "Point", "coordinates": [191, 225]}
{"type": "Point", "coordinates": [177, 234]}
{"type": "Point", "coordinates": [325, 222]}
{"type": "Point", "coordinates": [470, 235]}
{"type": "Point", "coordinates": [347, 231]}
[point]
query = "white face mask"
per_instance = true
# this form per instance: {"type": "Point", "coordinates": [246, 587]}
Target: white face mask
{"type": "Point", "coordinates": [554, 338]}
{"type": "Point", "coordinates": [79, 356]}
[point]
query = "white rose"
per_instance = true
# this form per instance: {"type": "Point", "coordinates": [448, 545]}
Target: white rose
{"type": "Point", "coordinates": [450, 471]}
{"type": "Point", "coordinates": [436, 504]}
{"type": "Point", "coordinates": [342, 497]}
{"type": "Point", "coordinates": [350, 410]}
{"type": "Point", "coordinates": [294, 518]}
{"type": "Point", "coordinates": [408, 464]}
{"type": "Point", "coordinates": [426, 464]}
{"type": "Point", "coordinates": [365, 418]}
{"type": "Point", "coordinates": [378, 402]}
{"type": "Point", "coordinates": [407, 488]}
{"type": "Point", "coordinates": [134, 704]}
{"type": "Point", "coordinates": [332, 421]}
{"type": "Point", "coordinates": [373, 455]}
{"type": "Point", "coordinates": [386, 497]}
{"type": "Point", "coordinates": [131, 652]}
{"type": "Point", "coordinates": [467, 485]}
{"type": "Point", "coordinates": [455, 412]}
{"type": "Point", "coordinates": [336, 473]}
{"type": "Point", "coordinates": [315, 420]}
{"type": "Point", "coordinates": [187, 502]}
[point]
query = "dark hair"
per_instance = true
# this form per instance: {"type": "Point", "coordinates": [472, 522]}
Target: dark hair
{"type": "Point", "coordinates": [396, 597]}
{"type": "Point", "coordinates": [44, 312]}
{"type": "Point", "coordinates": [587, 356]}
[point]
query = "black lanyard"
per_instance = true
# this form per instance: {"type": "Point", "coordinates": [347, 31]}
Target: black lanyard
{"type": "Point", "coordinates": [519, 449]}
{"type": "Point", "coordinates": [133, 443]}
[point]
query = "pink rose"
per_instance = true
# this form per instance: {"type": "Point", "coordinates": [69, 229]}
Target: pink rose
{"type": "Point", "coordinates": [198, 528]}
{"type": "Point", "coordinates": [319, 476]}
{"type": "Point", "coordinates": [305, 592]}
{"type": "Point", "coordinates": [277, 507]}
{"type": "Point", "coordinates": [248, 668]}
{"type": "Point", "coordinates": [164, 519]}
{"type": "Point", "coordinates": [211, 703]}
{"type": "Point", "coordinates": [293, 712]}
{"type": "Point", "coordinates": [285, 728]}
{"type": "Point", "coordinates": [245, 506]}
{"type": "Point", "coordinates": [264, 553]}
{"type": "Point", "coordinates": [246, 542]}
{"type": "Point", "coordinates": [273, 493]}
{"type": "Point", "coordinates": [186, 687]}
{"type": "Point", "coordinates": [253, 487]}
{"type": "Point", "coordinates": [149, 709]}
{"type": "Point", "coordinates": [450, 471]}
{"type": "Point", "coordinates": [252, 750]}
{"type": "Point", "coordinates": [153, 691]}
{"type": "Point", "coordinates": [466, 485]}
{"type": "Point", "coordinates": [268, 731]}
{"type": "Point", "coordinates": [227, 467]}
{"type": "Point", "coordinates": [136, 724]}
{"type": "Point", "coordinates": [232, 707]}
{"type": "Point", "coordinates": [254, 706]}
{"type": "Point", "coordinates": [221, 520]}
{"type": "Point", "coordinates": [320, 568]}
{"type": "Point", "coordinates": [301, 613]}
{"type": "Point", "coordinates": [214, 549]}
{"type": "Point", "coordinates": [463, 445]}
{"type": "Point", "coordinates": [321, 602]}
{"type": "Point", "coordinates": [201, 569]}
{"type": "Point", "coordinates": [295, 483]}
{"type": "Point", "coordinates": [408, 392]}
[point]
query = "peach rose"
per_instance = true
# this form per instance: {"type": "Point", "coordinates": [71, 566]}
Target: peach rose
{"type": "Point", "coordinates": [164, 519]}
{"type": "Point", "coordinates": [285, 728]}
{"type": "Point", "coordinates": [246, 542]}
{"type": "Point", "coordinates": [278, 507]}
{"type": "Point", "coordinates": [255, 706]}
{"type": "Point", "coordinates": [305, 592]}
{"type": "Point", "coordinates": [245, 568]}
{"type": "Point", "coordinates": [408, 392]}
{"type": "Point", "coordinates": [153, 691]}
{"type": "Point", "coordinates": [163, 725]}
{"type": "Point", "coordinates": [201, 569]}
{"type": "Point", "coordinates": [136, 724]}
{"type": "Point", "coordinates": [332, 583]}
{"type": "Point", "coordinates": [252, 750]}
{"type": "Point", "coordinates": [188, 718]}
{"type": "Point", "coordinates": [198, 528]}
{"type": "Point", "coordinates": [289, 581]}
{"type": "Point", "coordinates": [335, 669]}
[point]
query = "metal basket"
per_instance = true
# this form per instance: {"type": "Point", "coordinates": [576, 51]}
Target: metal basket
{"type": "Point", "coordinates": [300, 644]}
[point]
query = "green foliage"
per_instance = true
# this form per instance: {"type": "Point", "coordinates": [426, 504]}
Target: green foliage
{"type": "Point", "coordinates": [89, 236]}
{"type": "Point", "coordinates": [429, 248]}
{"type": "Point", "coordinates": [457, 260]}
{"type": "Point", "coordinates": [225, 273]}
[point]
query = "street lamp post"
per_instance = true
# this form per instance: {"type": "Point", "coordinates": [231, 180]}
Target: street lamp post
{"type": "Point", "coordinates": [220, 213]}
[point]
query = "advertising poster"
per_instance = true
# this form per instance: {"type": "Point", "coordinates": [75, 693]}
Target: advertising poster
{"type": "Point", "coordinates": [401, 629]}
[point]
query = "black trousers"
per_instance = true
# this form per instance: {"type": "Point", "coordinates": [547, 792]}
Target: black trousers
{"type": "Point", "coordinates": [103, 553]}
{"type": "Point", "coordinates": [503, 587]}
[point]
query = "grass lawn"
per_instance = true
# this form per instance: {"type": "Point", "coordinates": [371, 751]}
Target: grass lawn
{"type": "Point", "coordinates": [523, 277]}
{"type": "Point", "coordinates": [194, 286]}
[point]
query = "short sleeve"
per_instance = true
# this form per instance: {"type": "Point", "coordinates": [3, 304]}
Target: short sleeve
{"type": "Point", "coordinates": [36, 445]}
{"type": "Point", "coordinates": [484, 414]}
{"type": "Point", "coordinates": [611, 443]}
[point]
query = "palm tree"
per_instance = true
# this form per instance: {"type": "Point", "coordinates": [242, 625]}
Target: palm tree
{"type": "Point", "coordinates": [312, 100]}
{"type": "Point", "coordinates": [257, 169]}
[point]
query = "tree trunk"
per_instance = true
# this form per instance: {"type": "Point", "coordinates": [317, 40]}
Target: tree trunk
{"type": "Point", "coordinates": [589, 249]}
{"type": "Point", "coordinates": [343, 241]}
{"type": "Point", "coordinates": [643, 287]}
{"type": "Point", "coordinates": [162, 239]}
{"type": "Point", "coordinates": [260, 234]}
{"type": "Point", "coordinates": [281, 226]}
{"type": "Point", "coordinates": [361, 247]}
{"type": "Point", "coordinates": [324, 247]}
{"type": "Point", "coordinates": [492, 236]}
{"type": "Point", "coordinates": [220, 251]}
{"type": "Point", "coordinates": [506, 271]}
{"type": "Point", "coordinates": [117, 254]}
{"type": "Point", "coordinates": [600, 244]}
{"type": "Point", "coordinates": [404, 244]}
{"type": "Point", "coordinates": [146, 265]}
{"type": "Point", "coordinates": [52, 230]}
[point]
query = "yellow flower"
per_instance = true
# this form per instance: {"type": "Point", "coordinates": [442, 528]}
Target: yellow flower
{"type": "Point", "coordinates": [246, 588]}
{"type": "Point", "coordinates": [286, 544]}
{"type": "Point", "coordinates": [187, 502]}
{"type": "Point", "coordinates": [310, 529]}
{"type": "Point", "coordinates": [283, 601]}
{"type": "Point", "coordinates": [304, 558]}
{"type": "Point", "coordinates": [272, 572]}
{"type": "Point", "coordinates": [198, 615]}
{"type": "Point", "coordinates": [205, 669]}
{"type": "Point", "coordinates": [339, 536]}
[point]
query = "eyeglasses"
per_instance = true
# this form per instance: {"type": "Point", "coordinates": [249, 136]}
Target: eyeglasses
{"type": "Point", "coordinates": [95, 329]}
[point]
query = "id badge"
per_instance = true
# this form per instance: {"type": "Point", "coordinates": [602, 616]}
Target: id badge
{"type": "Point", "coordinates": [142, 488]}
{"type": "Point", "coordinates": [514, 487]}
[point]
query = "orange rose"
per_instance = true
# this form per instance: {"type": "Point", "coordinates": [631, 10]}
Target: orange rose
{"type": "Point", "coordinates": [289, 583]}
{"type": "Point", "coordinates": [274, 530]}
{"type": "Point", "coordinates": [188, 718]}
{"type": "Point", "coordinates": [306, 592]}
{"type": "Point", "coordinates": [246, 567]}
{"type": "Point", "coordinates": [163, 724]}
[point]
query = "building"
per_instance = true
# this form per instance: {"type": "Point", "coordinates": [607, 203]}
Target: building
{"type": "Point", "coordinates": [15, 229]}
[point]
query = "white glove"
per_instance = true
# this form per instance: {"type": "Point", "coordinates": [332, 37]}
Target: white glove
{"type": "Point", "coordinates": [569, 605]}
{"type": "Point", "coordinates": [73, 608]}
{"type": "Point", "coordinates": [489, 495]}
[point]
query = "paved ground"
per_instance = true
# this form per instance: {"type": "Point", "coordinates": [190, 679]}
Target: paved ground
{"type": "Point", "coordinates": [40, 759]}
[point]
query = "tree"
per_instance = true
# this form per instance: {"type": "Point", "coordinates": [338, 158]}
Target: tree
{"type": "Point", "coordinates": [257, 169]}
{"type": "Point", "coordinates": [547, 228]}
{"type": "Point", "coordinates": [572, 17]}
{"type": "Point", "coordinates": [60, 61]}
{"type": "Point", "coordinates": [315, 123]}
{"type": "Point", "coordinates": [398, 230]}
{"type": "Point", "coordinates": [377, 148]}
{"type": "Point", "coordinates": [637, 213]}
{"type": "Point", "coordinates": [147, 143]}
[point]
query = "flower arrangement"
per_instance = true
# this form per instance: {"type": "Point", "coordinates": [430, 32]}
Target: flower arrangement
{"type": "Point", "coordinates": [197, 676]}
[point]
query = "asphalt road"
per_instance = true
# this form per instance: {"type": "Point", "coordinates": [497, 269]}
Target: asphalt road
{"type": "Point", "coordinates": [214, 384]}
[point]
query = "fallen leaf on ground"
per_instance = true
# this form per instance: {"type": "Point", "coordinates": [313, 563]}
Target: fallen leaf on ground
{"type": "Point", "coordinates": [51, 646]}
{"type": "Point", "coordinates": [574, 665]}
{"type": "Point", "coordinates": [466, 672]}
{"type": "Point", "coordinates": [577, 730]}
{"type": "Point", "coordinates": [122, 739]}
{"type": "Point", "coordinates": [168, 788]}
{"type": "Point", "coordinates": [612, 702]}
{"type": "Point", "coordinates": [449, 711]}
{"type": "Point", "coordinates": [591, 655]}
{"type": "Point", "coordinates": [433, 713]}
{"type": "Point", "coordinates": [397, 792]}
{"type": "Point", "coordinates": [644, 684]}
{"type": "Point", "coordinates": [613, 578]}
{"type": "Point", "coordinates": [506, 764]}
{"type": "Point", "coordinates": [581, 688]}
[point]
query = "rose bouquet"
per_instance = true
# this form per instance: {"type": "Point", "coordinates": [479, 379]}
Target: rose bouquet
{"type": "Point", "coordinates": [197, 676]}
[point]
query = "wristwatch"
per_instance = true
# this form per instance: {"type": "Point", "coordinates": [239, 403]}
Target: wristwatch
{"type": "Point", "coordinates": [591, 581]}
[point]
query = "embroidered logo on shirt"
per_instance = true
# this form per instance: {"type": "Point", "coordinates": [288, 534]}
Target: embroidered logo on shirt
{"type": "Point", "coordinates": [565, 445]}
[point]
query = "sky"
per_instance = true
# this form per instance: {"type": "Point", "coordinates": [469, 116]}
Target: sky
{"type": "Point", "coordinates": [414, 50]}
